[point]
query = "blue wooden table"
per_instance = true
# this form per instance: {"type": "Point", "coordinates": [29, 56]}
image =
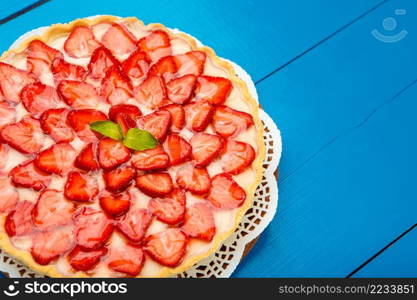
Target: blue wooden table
{"type": "Point", "coordinates": [339, 78]}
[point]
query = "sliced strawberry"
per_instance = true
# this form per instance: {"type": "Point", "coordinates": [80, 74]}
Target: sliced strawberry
{"type": "Point", "coordinates": [4, 154]}
{"type": "Point", "coordinates": [134, 224]}
{"type": "Point", "coordinates": [199, 222]}
{"type": "Point", "coordinates": [177, 116]}
{"type": "Point", "coordinates": [57, 159]}
{"type": "Point", "coordinates": [37, 98]}
{"type": "Point", "coordinates": [7, 114]}
{"type": "Point", "coordinates": [63, 70]}
{"type": "Point", "coordinates": [53, 122]}
{"type": "Point", "coordinates": [178, 149]}
{"type": "Point", "coordinates": [118, 39]}
{"type": "Point", "coordinates": [167, 247]}
{"type": "Point", "coordinates": [81, 42]}
{"type": "Point", "coordinates": [19, 220]}
{"type": "Point", "coordinates": [40, 57]}
{"type": "Point", "coordinates": [198, 115]}
{"type": "Point", "coordinates": [225, 193]}
{"type": "Point", "coordinates": [136, 65]}
{"type": "Point", "coordinates": [213, 89]}
{"type": "Point", "coordinates": [151, 92]}
{"type": "Point", "coordinates": [229, 122]}
{"type": "Point", "coordinates": [115, 205]}
{"type": "Point", "coordinates": [156, 45]}
{"type": "Point", "coordinates": [151, 159]}
{"type": "Point", "coordinates": [78, 94]}
{"type": "Point", "coordinates": [9, 194]}
{"type": "Point", "coordinates": [116, 87]}
{"type": "Point", "coordinates": [101, 61]}
{"type": "Point", "coordinates": [170, 209]}
{"type": "Point", "coordinates": [128, 259]}
{"type": "Point", "coordinates": [27, 175]}
{"type": "Point", "coordinates": [190, 63]}
{"type": "Point", "coordinates": [157, 123]}
{"type": "Point", "coordinates": [87, 159]}
{"type": "Point", "coordinates": [155, 184]}
{"type": "Point", "coordinates": [237, 157]}
{"type": "Point", "coordinates": [80, 187]}
{"type": "Point", "coordinates": [50, 244]}
{"type": "Point", "coordinates": [206, 147]}
{"type": "Point", "coordinates": [119, 179]}
{"type": "Point", "coordinates": [84, 260]}
{"type": "Point", "coordinates": [92, 228]}
{"type": "Point", "coordinates": [125, 115]}
{"type": "Point", "coordinates": [12, 81]}
{"type": "Point", "coordinates": [80, 121]}
{"type": "Point", "coordinates": [112, 153]}
{"type": "Point", "coordinates": [181, 89]}
{"type": "Point", "coordinates": [165, 67]}
{"type": "Point", "coordinates": [195, 180]}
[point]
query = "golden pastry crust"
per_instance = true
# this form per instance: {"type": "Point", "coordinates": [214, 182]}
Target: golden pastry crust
{"type": "Point", "coordinates": [57, 30]}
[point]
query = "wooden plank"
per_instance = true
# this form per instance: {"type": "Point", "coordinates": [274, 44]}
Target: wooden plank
{"type": "Point", "coordinates": [11, 7]}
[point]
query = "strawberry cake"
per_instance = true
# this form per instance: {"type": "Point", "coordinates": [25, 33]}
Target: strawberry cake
{"type": "Point", "coordinates": [126, 150]}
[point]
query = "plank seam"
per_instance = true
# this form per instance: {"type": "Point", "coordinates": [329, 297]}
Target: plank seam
{"type": "Point", "coordinates": [22, 11]}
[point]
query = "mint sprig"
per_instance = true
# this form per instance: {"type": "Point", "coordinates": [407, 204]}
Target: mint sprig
{"type": "Point", "coordinates": [108, 128]}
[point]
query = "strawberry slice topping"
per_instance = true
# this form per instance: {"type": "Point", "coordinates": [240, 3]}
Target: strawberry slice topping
{"type": "Point", "coordinates": [134, 224]}
{"type": "Point", "coordinates": [157, 123]}
{"type": "Point", "coordinates": [195, 180]}
{"type": "Point", "coordinates": [52, 209]}
{"type": "Point", "coordinates": [81, 42]}
{"type": "Point", "coordinates": [119, 179]}
{"type": "Point", "coordinates": [155, 184]}
{"type": "Point", "coordinates": [19, 220]}
{"type": "Point", "coordinates": [150, 159]}
{"type": "Point", "coordinates": [177, 116]}
{"type": "Point", "coordinates": [64, 70]}
{"type": "Point", "coordinates": [40, 57]}
{"type": "Point", "coordinates": [237, 157]}
{"type": "Point", "coordinates": [118, 39]}
{"type": "Point", "coordinates": [230, 122]}
{"type": "Point", "coordinates": [80, 121]}
{"type": "Point", "coordinates": [57, 159]}
{"type": "Point", "coordinates": [151, 92]}
{"type": "Point", "coordinates": [156, 45]}
{"type": "Point", "coordinates": [181, 89]}
{"type": "Point", "coordinates": [199, 222]}
{"type": "Point", "coordinates": [87, 159]}
{"type": "Point", "coordinates": [225, 193]}
{"type": "Point", "coordinates": [7, 114]}
{"type": "Point", "coordinates": [112, 153]}
{"type": "Point", "coordinates": [4, 153]}
{"type": "Point", "coordinates": [136, 65]}
{"type": "Point", "coordinates": [198, 115]}
{"type": "Point", "coordinates": [84, 260]}
{"type": "Point", "coordinates": [37, 98]}
{"type": "Point", "coordinates": [206, 147]}
{"type": "Point", "coordinates": [12, 81]}
{"type": "Point", "coordinates": [190, 63]}
{"type": "Point", "coordinates": [131, 110]}
{"type": "Point", "coordinates": [92, 228]}
{"type": "Point", "coordinates": [25, 136]}
{"type": "Point", "coordinates": [9, 194]}
{"type": "Point", "coordinates": [53, 122]}
{"type": "Point", "coordinates": [116, 87]}
{"type": "Point", "coordinates": [101, 61]}
{"type": "Point", "coordinates": [115, 205]}
{"type": "Point", "coordinates": [80, 187]}
{"type": "Point", "coordinates": [78, 94]}
{"type": "Point", "coordinates": [128, 259]}
{"type": "Point", "coordinates": [165, 67]}
{"type": "Point", "coordinates": [213, 89]}
{"type": "Point", "coordinates": [27, 175]}
{"type": "Point", "coordinates": [167, 247]}
{"type": "Point", "coordinates": [178, 149]}
{"type": "Point", "coordinates": [170, 209]}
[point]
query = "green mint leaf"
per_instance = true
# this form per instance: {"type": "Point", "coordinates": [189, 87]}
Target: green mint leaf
{"type": "Point", "coordinates": [107, 128]}
{"type": "Point", "coordinates": [140, 140]}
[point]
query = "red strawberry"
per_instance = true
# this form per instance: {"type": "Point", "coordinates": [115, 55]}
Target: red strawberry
{"type": "Point", "coordinates": [37, 98]}
{"type": "Point", "coordinates": [177, 116]}
{"type": "Point", "coordinates": [63, 70]}
{"type": "Point", "coordinates": [116, 87]}
{"type": "Point", "coordinates": [165, 67]}
{"type": "Point", "coordinates": [12, 81]}
{"type": "Point", "coordinates": [136, 65]}
{"type": "Point", "coordinates": [84, 260]}
{"type": "Point", "coordinates": [155, 184]}
{"type": "Point", "coordinates": [53, 122]}
{"type": "Point", "coordinates": [57, 159]}
{"type": "Point", "coordinates": [49, 245]}
{"type": "Point", "coordinates": [229, 122]}
{"type": "Point", "coordinates": [178, 149]}
{"type": "Point", "coordinates": [9, 194]}
{"type": "Point", "coordinates": [213, 89]}
{"type": "Point", "coordinates": [119, 179]}
{"type": "Point", "coordinates": [87, 159]}
{"type": "Point", "coordinates": [181, 89]}
{"type": "Point", "coordinates": [19, 220]}
{"type": "Point", "coordinates": [151, 159]}
{"type": "Point", "coordinates": [81, 42]}
{"type": "Point", "coordinates": [151, 92]}
{"type": "Point", "coordinates": [4, 153]}
{"type": "Point", "coordinates": [7, 113]}
{"type": "Point", "coordinates": [28, 176]}
{"type": "Point", "coordinates": [198, 115]}
{"type": "Point", "coordinates": [92, 228]}
{"type": "Point", "coordinates": [80, 121]}
{"type": "Point", "coordinates": [78, 94]}
{"type": "Point", "coordinates": [101, 61]}
{"type": "Point", "coordinates": [237, 157]}
{"type": "Point", "coordinates": [199, 222]}
{"type": "Point", "coordinates": [157, 123]}
{"type": "Point", "coordinates": [167, 247]}
{"type": "Point", "coordinates": [190, 63]}
{"type": "Point", "coordinates": [119, 39]}
{"type": "Point", "coordinates": [128, 259]}
{"type": "Point", "coordinates": [112, 153]}
{"type": "Point", "coordinates": [52, 209]}
{"type": "Point", "coordinates": [115, 205]}
{"type": "Point", "coordinates": [170, 209]}
{"type": "Point", "coordinates": [156, 45]}
{"type": "Point", "coordinates": [206, 147]}
{"type": "Point", "coordinates": [225, 193]}
{"type": "Point", "coordinates": [134, 224]}
{"type": "Point", "coordinates": [195, 180]}
{"type": "Point", "coordinates": [128, 109]}
{"type": "Point", "coordinates": [40, 57]}
{"type": "Point", "coordinates": [80, 187]}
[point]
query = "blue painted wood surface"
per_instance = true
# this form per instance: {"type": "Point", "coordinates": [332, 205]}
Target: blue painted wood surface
{"type": "Point", "coordinates": [10, 7]}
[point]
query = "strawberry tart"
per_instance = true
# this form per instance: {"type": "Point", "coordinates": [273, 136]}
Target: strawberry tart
{"type": "Point", "coordinates": [126, 150]}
